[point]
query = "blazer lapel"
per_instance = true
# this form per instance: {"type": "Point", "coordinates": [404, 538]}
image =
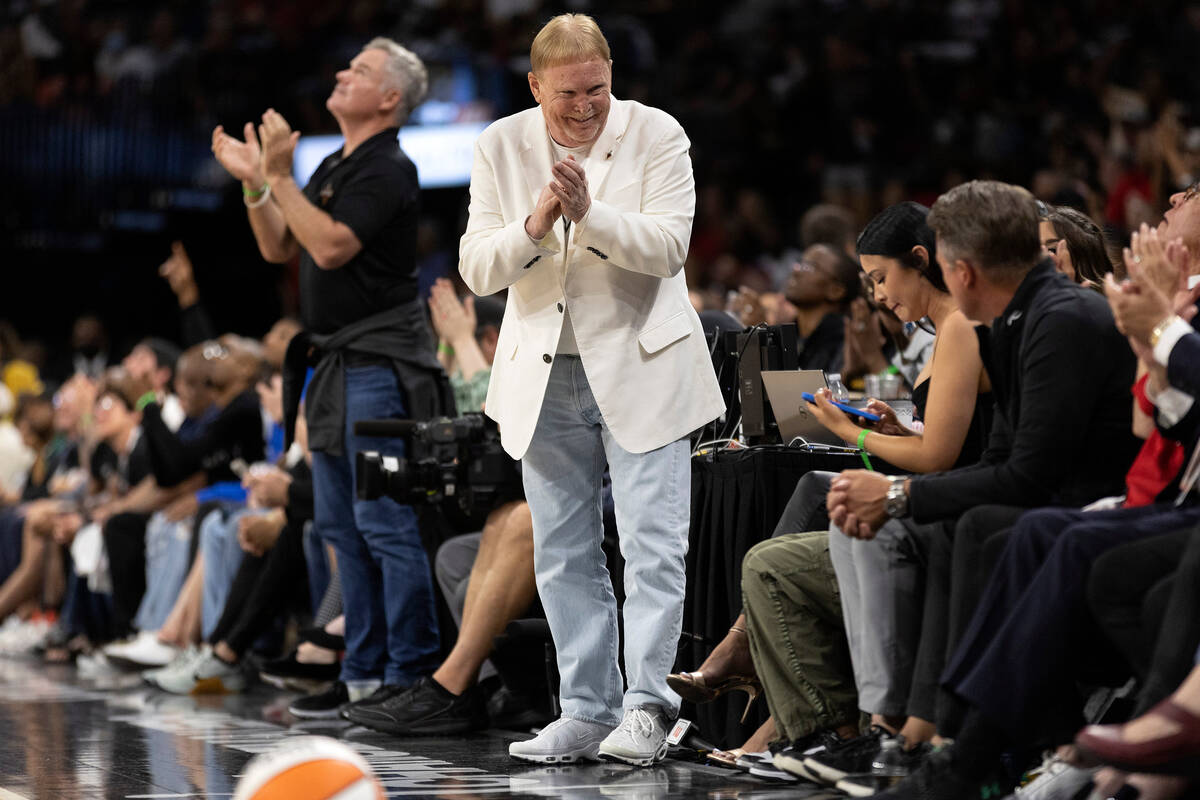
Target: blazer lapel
{"type": "Point", "coordinates": [535, 156]}
{"type": "Point", "coordinates": [536, 161]}
{"type": "Point", "coordinates": [604, 151]}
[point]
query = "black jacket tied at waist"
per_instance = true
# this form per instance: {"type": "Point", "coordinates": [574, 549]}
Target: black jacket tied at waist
{"type": "Point", "coordinates": [399, 336]}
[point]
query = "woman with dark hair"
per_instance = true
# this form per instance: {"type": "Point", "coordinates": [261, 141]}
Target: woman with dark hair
{"type": "Point", "coordinates": [897, 254]}
{"type": "Point", "coordinates": [1076, 244]}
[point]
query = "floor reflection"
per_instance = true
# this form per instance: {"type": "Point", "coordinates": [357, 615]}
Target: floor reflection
{"type": "Point", "coordinates": [107, 736]}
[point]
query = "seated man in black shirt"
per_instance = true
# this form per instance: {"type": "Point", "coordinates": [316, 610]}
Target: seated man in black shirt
{"type": "Point", "coordinates": [1049, 339]}
{"type": "Point", "coordinates": [354, 228]}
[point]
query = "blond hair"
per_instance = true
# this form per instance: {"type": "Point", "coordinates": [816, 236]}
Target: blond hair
{"type": "Point", "coordinates": [568, 39]}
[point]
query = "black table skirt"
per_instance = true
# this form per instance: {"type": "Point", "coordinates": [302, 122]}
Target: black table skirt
{"type": "Point", "coordinates": [736, 502]}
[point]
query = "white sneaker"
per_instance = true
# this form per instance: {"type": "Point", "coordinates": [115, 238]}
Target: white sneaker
{"type": "Point", "coordinates": [562, 741]}
{"type": "Point", "coordinates": [143, 650]}
{"type": "Point", "coordinates": [21, 636]}
{"type": "Point", "coordinates": [204, 674]}
{"type": "Point", "coordinates": [214, 676]}
{"type": "Point", "coordinates": [640, 739]}
{"type": "Point", "coordinates": [1054, 780]}
{"type": "Point", "coordinates": [180, 672]}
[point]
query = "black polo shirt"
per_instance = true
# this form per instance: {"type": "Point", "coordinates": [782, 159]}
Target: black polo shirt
{"type": "Point", "coordinates": [374, 191]}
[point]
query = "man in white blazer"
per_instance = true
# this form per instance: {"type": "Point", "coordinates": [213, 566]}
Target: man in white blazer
{"type": "Point", "coordinates": [582, 208]}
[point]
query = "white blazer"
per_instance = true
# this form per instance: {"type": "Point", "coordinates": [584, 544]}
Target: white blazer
{"type": "Point", "coordinates": [621, 275]}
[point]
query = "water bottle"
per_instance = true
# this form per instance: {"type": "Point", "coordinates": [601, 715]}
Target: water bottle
{"type": "Point", "coordinates": [837, 388]}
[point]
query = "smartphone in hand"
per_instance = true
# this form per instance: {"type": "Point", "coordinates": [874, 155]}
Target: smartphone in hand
{"type": "Point", "coordinates": [850, 410]}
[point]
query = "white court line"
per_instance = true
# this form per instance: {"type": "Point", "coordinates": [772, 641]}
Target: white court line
{"type": "Point", "coordinates": [5, 794]}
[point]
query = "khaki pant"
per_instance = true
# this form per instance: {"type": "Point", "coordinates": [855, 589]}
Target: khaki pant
{"type": "Point", "coordinates": [797, 639]}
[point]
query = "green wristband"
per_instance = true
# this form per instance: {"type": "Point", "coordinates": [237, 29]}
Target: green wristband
{"type": "Point", "coordinates": [250, 193]}
{"type": "Point", "coordinates": [445, 349]}
{"type": "Point", "coordinates": [145, 400]}
{"type": "Point", "coordinates": [862, 449]}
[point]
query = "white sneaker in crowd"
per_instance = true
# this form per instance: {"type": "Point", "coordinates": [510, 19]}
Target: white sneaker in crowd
{"type": "Point", "coordinates": [214, 676]}
{"type": "Point", "coordinates": [143, 650]}
{"type": "Point", "coordinates": [1054, 780]}
{"type": "Point", "coordinates": [562, 741]}
{"type": "Point", "coordinates": [640, 739]}
{"type": "Point", "coordinates": [187, 654]}
{"type": "Point", "coordinates": [19, 636]}
{"type": "Point", "coordinates": [180, 672]}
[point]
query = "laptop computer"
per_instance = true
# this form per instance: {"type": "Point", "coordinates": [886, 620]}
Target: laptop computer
{"type": "Point", "coordinates": [784, 389]}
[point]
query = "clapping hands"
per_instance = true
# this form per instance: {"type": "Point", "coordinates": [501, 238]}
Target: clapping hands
{"type": "Point", "coordinates": [453, 320]}
{"type": "Point", "coordinates": [263, 155]}
{"type": "Point", "coordinates": [1156, 287]}
{"type": "Point", "coordinates": [241, 159]}
{"type": "Point", "coordinates": [571, 189]}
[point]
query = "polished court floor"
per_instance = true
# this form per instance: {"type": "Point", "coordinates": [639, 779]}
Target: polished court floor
{"type": "Point", "coordinates": [64, 736]}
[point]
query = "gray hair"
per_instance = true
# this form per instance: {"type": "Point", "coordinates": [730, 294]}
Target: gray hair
{"type": "Point", "coordinates": [991, 223]}
{"type": "Point", "coordinates": [405, 72]}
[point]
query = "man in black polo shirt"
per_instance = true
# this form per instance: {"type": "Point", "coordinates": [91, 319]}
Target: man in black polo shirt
{"type": "Point", "coordinates": [354, 228]}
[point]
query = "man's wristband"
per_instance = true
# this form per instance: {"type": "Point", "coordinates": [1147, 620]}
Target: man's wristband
{"type": "Point", "coordinates": [262, 198]}
{"type": "Point", "coordinates": [445, 349]}
{"type": "Point", "coordinates": [145, 400]}
{"type": "Point", "coordinates": [253, 193]}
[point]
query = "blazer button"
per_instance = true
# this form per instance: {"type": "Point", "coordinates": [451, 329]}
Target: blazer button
{"type": "Point", "coordinates": [560, 306]}
{"type": "Point", "coordinates": [546, 357]}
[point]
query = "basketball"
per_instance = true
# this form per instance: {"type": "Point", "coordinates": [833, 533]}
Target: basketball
{"type": "Point", "coordinates": [309, 768]}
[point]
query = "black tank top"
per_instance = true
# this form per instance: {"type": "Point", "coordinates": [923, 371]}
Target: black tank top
{"type": "Point", "coordinates": [977, 433]}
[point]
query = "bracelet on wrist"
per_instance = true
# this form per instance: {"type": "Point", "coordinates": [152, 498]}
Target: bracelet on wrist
{"type": "Point", "coordinates": [445, 349]}
{"type": "Point", "coordinates": [145, 400]}
{"type": "Point", "coordinates": [253, 193]}
{"type": "Point", "coordinates": [862, 449]}
{"type": "Point", "coordinates": [266, 195]}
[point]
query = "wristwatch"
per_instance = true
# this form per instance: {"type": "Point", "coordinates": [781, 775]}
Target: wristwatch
{"type": "Point", "coordinates": [1161, 328]}
{"type": "Point", "coordinates": [896, 504]}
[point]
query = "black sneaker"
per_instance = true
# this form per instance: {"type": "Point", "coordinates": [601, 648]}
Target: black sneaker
{"type": "Point", "coordinates": [288, 673]}
{"type": "Point", "coordinates": [892, 764]}
{"type": "Point", "coordinates": [941, 777]}
{"type": "Point", "coordinates": [849, 757]}
{"type": "Point", "coordinates": [321, 705]}
{"type": "Point", "coordinates": [382, 693]}
{"type": "Point", "coordinates": [425, 708]}
{"type": "Point", "coordinates": [790, 756]}
{"type": "Point", "coordinates": [515, 711]}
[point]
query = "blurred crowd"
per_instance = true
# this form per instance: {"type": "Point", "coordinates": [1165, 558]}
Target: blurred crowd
{"type": "Point", "coordinates": [860, 104]}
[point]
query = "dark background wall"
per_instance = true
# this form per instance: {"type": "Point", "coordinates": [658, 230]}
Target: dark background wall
{"type": "Point", "coordinates": [107, 107]}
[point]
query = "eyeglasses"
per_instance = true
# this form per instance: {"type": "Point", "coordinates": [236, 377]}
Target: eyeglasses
{"type": "Point", "coordinates": [1190, 192]}
{"type": "Point", "coordinates": [1043, 210]}
{"type": "Point", "coordinates": [214, 352]}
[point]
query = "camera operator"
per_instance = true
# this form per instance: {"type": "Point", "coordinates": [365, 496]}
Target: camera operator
{"type": "Point", "coordinates": [487, 577]}
{"type": "Point", "coordinates": [354, 228]}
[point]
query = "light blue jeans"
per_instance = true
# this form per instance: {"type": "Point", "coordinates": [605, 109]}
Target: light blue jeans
{"type": "Point", "coordinates": [222, 558]}
{"type": "Point", "coordinates": [652, 493]}
{"type": "Point", "coordinates": [168, 559]}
